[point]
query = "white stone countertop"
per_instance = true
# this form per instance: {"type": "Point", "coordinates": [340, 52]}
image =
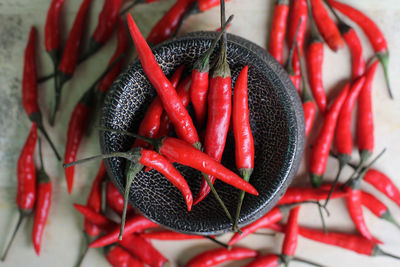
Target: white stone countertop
{"type": "Point", "coordinates": [62, 236]}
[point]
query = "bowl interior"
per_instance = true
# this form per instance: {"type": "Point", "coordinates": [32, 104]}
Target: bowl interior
{"type": "Point", "coordinates": [276, 123]}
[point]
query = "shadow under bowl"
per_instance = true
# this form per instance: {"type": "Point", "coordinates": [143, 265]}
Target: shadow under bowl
{"type": "Point", "coordinates": [276, 119]}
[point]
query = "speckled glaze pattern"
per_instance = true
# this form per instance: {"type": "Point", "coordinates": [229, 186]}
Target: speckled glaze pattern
{"type": "Point", "coordinates": [276, 119]}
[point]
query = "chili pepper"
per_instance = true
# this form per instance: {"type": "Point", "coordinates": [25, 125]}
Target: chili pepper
{"type": "Point", "coordinates": [135, 224]}
{"type": "Point", "coordinates": [297, 16]}
{"type": "Point", "coordinates": [300, 194]}
{"type": "Point", "coordinates": [294, 77]}
{"type": "Point", "coordinates": [343, 137]}
{"type": "Point", "coordinates": [52, 31]}
{"type": "Point", "coordinates": [26, 186]}
{"type": "Point", "coordinates": [168, 24]}
{"type": "Point", "coordinates": [168, 235]}
{"type": "Point", "coordinates": [377, 207]}
{"type": "Point", "coordinates": [220, 255]}
{"type": "Point", "coordinates": [383, 183]}
{"type": "Point", "coordinates": [119, 257]}
{"type": "Point", "coordinates": [372, 31]}
{"type": "Point", "coordinates": [183, 91]}
{"type": "Point", "coordinates": [326, 26]}
{"type": "Point", "coordinates": [289, 245]}
{"type": "Point", "coordinates": [122, 47]}
{"type": "Point", "coordinates": [115, 200]}
{"type": "Point", "coordinates": [96, 218]}
{"type": "Point", "coordinates": [200, 83]}
{"type": "Point", "coordinates": [105, 26]}
{"type": "Point", "coordinates": [315, 58]}
{"type": "Point", "coordinates": [177, 113]}
{"type": "Point", "coordinates": [43, 203]}
{"type": "Point", "coordinates": [150, 125]}
{"type": "Point", "coordinates": [244, 143]}
{"type": "Point", "coordinates": [268, 260]}
{"type": "Point", "coordinates": [365, 117]}
{"type": "Point", "coordinates": [70, 55]}
{"type": "Point", "coordinates": [278, 29]}
{"type": "Point", "coordinates": [320, 150]}
{"type": "Point", "coordinates": [30, 88]}
{"type": "Point", "coordinates": [143, 250]}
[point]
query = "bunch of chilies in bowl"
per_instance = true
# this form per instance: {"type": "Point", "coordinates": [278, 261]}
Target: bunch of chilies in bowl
{"type": "Point", "coordinates": [168, 110]}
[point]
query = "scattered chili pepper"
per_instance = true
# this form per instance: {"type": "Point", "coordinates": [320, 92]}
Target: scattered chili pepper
{"type": "Point", "coordinates": [30, 88]}
{"type": "Point", "coordinates": [135, 224]}
{"type": "Point", "coordinates": [326, 26]}
{"type": "Point", "coordinates": [372, 31]}
{"type": "Point", "coordinates": [177, 113]}
{"type": "Point", "coordinates": [278, 29]}
{"type": "Point", "coordinates": [96, 218]}
{"type": "Point", "coordinates": [320, 150]}
{"type": "Point", "coordinates": [115, 200]}
{"type": "Point", "coordinates": [43, 203]}
{"type": "Point", "coordinates": [289, 245]}
{"type": "Point", "coordinates": [268, 260]}
{"type": "Point", "coordinates": [244, 142]}
{"type": "Point", "coordinates": [301, 194]}
{"type": "Point", "coordinates": [383, 183]}
{"type": "Point", "coordinates": [377, 207]}
{"type": "Point", "coordinates": [294, 77]}
{"type": "Point", "coordinates": [168, 235]}
{"type": "Point", "coordinates": [143, 250]}
{"type": "Point", "coordinates": [200, 80]}
{"type": "Point", "coordinates": [26, 186]}
{"type": "Point", "coordinates": [119, 257]}
{"type": "Point", "coordinates": [70, 55]}
{"type": "Point", "coordinates": [315, 58]}
{"type": "Point", "coordinates": [220, 255]}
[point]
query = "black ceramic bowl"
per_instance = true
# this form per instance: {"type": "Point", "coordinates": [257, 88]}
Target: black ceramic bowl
{"type": "Point", "coordinates": [276, 119]}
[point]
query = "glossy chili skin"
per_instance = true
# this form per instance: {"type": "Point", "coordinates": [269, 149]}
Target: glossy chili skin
{"type": "Point", "coordinates": [122, 47]}
{"type": "Point", "coordinates": [94, 200]}
{"type": "Point", "coordinates": [205, 5]}
{"type": "Point", "coordinates": [278, 29]}
{"type": "Point", "coordinates": [294, 73]}
{"type": "Point", "coordinates": [383, 183]}
{"type": "Point", "coordinates": [119, 257]}
{"type": "Point", "coordinates": [29, 78]}
{"type": "Point", "coordinates": [177, 113]}
{"type": "Point", "coordinates": [268, 260]}
{"type": "Point", "coordinates": [354, 44]}
{"type": "Point", "coordinates": [377, 207]}
{"type": "Point", "coordinates": [42, 208]}
{"type": "Point", "coordinates": [365, 116]}
{"type": "Point", "coordinates": [52, 29]}
{"type": "Point", "coordinates": [289, 245]}
{"type": "Point", "coordinates": [176, 150]}
{"type": "Point", "coordinates": [220, 255]}
{"type": "Point", "coordinates": [134, 224]}
{"type": "Point", "coordinates": [95, 218]}
{"type": "Point", "coordinates": [198, 95]}
{"type": "Point", "coordinates": [76, 129]}
{"type": "Point", "coordinates": [26, 173]}
{"type": "Point", "coordinates": [168, 235]}
{"type": "Point", "coordinates": [299, 194]}
{"type": "Point", "coordinates": [168, 24]}
{"type": "Point", "coordinates": [115, 200]}
{"type": "Point", "coordinates": [326, 26]}
{"type": "Point", "coordinates": [143, 250]}
{"type": "Point", "coordinates": [320, 150]}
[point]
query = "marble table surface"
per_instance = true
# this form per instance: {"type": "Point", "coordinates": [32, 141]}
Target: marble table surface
{"type": "Point", "coordinates": [63, 234]}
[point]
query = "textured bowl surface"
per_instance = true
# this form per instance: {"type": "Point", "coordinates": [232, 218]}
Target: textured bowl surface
{"type": "Point", "coordinates": [277, 124]}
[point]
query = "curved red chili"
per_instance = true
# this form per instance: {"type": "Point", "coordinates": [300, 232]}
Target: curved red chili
{"type": "Point", "coordinates": [220, 255]}
{"type": "Point", "coordinates": [320, 150]}
{"type": "Point", "coordinates": [289, 245]}
{"type": "Point", "coordinates": [294, 76]}
{"type": "Point", "coordinates": [383, 183]}
{"type": "Point", "coordinates": [119, 257]}
{"type": "Point", "coordinates": [278, 29]}
{"type": "Point", "coordinates": [168, 235]}
{"type": "Point", "coordinates": [52, 30]}
{"type": "Point", "coordinates": [96, 218]}
{"type": "Point", "coordinates": [299, 194]}
{"type": "Point", "coordinates": [177, 113]}
{"type": "Point", "coordinates": [115, 200]}
{"type": "Point", "coordinates": [372, 31]}
{"type": "Point", "coordinates": [268, 260]}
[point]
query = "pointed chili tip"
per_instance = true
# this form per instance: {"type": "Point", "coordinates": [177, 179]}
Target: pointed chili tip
{"type": "Point", "coordinates": [37, 248]}
{"type": "Point", "coordinates": [384, 59]}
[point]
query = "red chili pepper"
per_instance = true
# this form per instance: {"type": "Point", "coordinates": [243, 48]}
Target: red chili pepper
{"type": "Point", "coordinates": [42, 207]}
{"type": "Point", "coordinates": [365, 116]}
{"type": "Point", "coordinates": [294, 77]}
{"type": "Point", "coordinates": [105, 26]}
{"type": "Point", "coordinates": [96, 218]}
{"type": "Point", "coordinates": [315, 58]}
{"type": "Point", "coordinates": [26, 186]}
{"type": "Point", "coordinates": [299, 194]}
{"type": "Point", "coordinates": [289, 245]}
{"type": "Point", "coordinates": [135, 224]}
{"type": "Point", "coordinates": [278, 29]}
{"type": "Point", "coordinates": [244, 142]}
{"type": "Point", "coordinates": [268, 260]}
{"type": "Point", "coordinates": [377, 207]}
{"type": "Point", "coordinates": [115, 200]}
{"type": "Point", "coordinates": [200, 82]}
{"type": "Point", "coordinates": [70, 55]}
{"type": "Point", "coordinates": [52, 30]}
{"type": "Point", "coordinates": [205, 5]}
{"type": "Point", "coordinates": [122, 47]}
{"type": "Point", "coordinates": [177, 113]}
{"type": "Point", "coordinates": [326, 26]}
{"type": "Point", "coordinates": [119, 257]}
{"type": "Point", "coordinates": [168, 24]}
{"type": "Point", "coordinates": [320, 150]}
{"type": "Point", "coordinates": [372, 31]}
{"type": "Point", "coordinates": [221, 255]}
{"type": "Point", "coordinates": [143, 250]}
{"type": "Point", "coordinates": [168, 235]}
{"type": "Point", "coordinates": [383, 183]}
